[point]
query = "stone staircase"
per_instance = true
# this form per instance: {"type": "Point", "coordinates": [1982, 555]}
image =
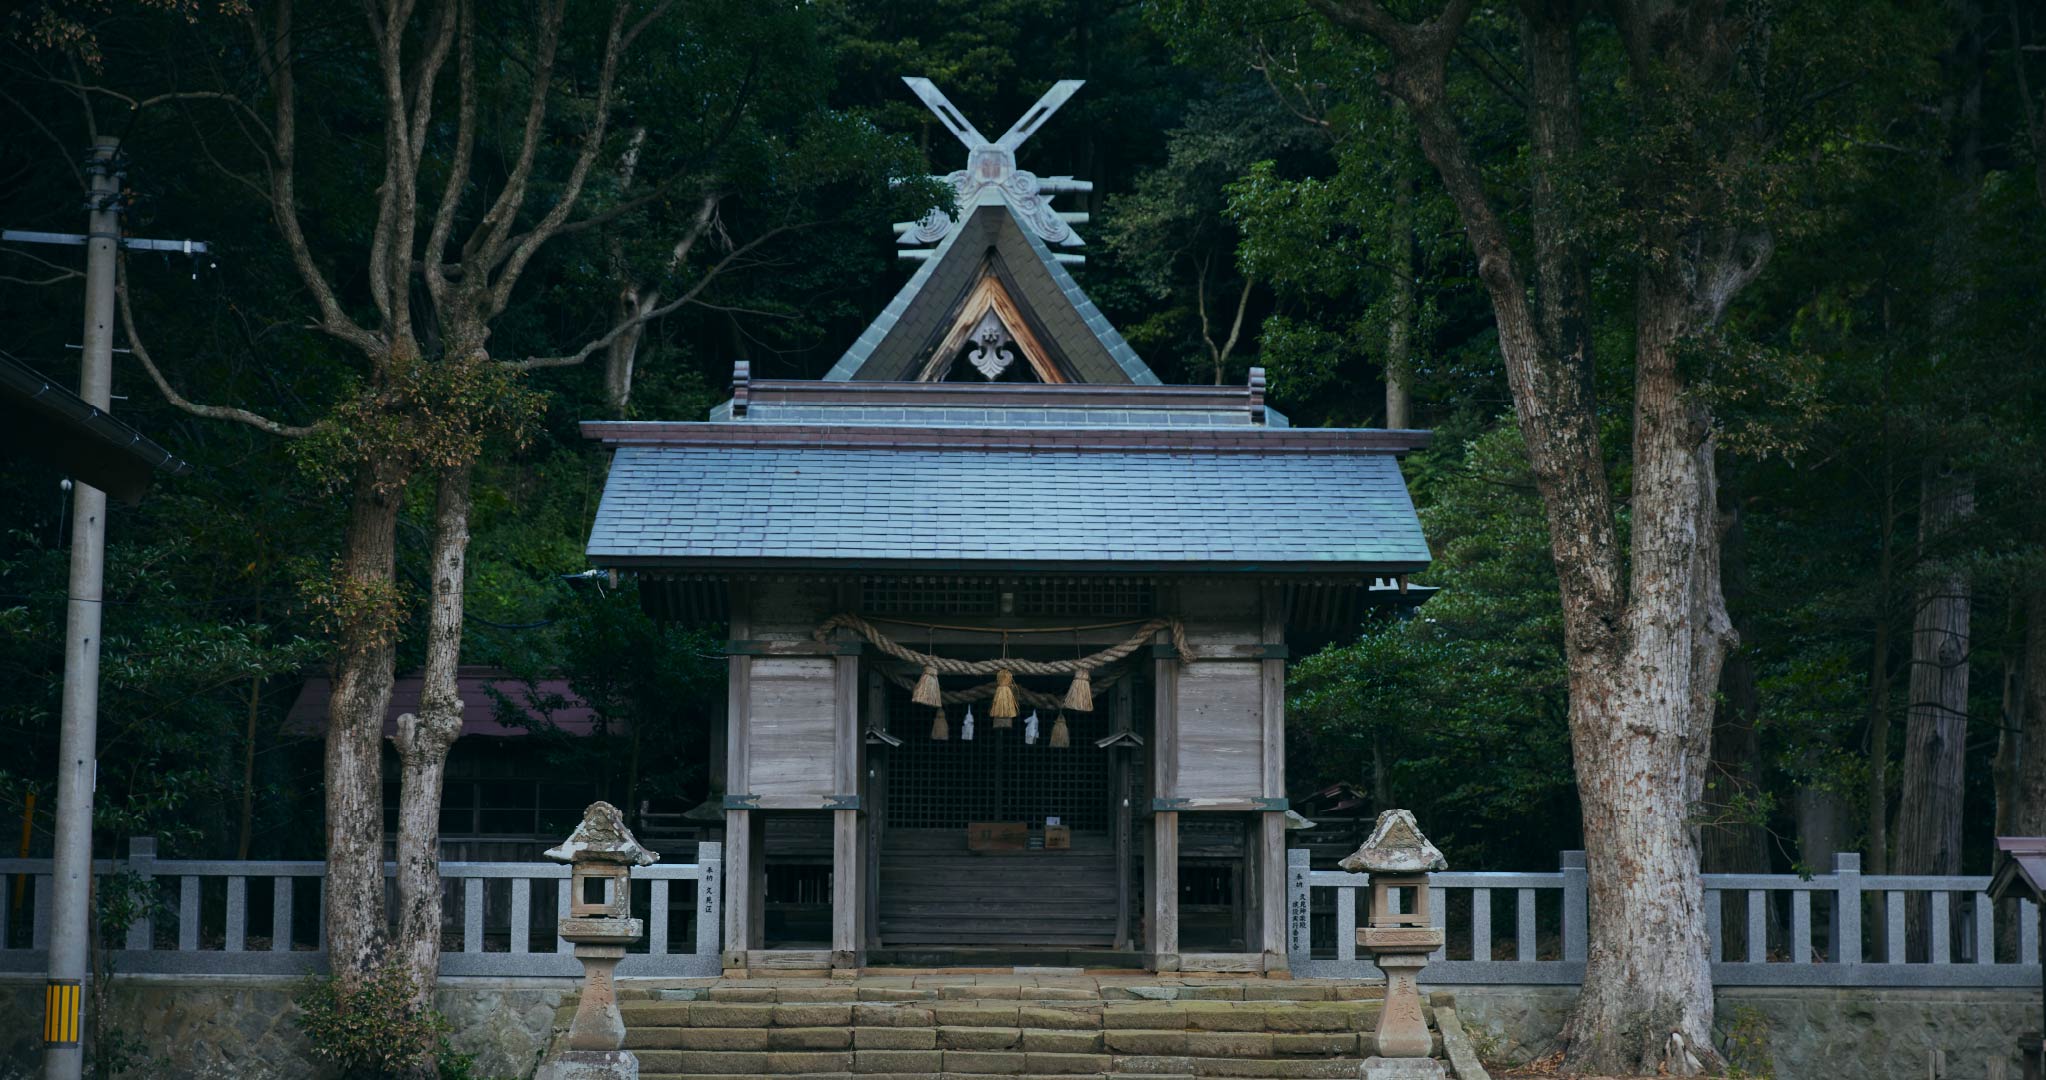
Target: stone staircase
{"type": "Point", "coordinates": [1012, 1027]}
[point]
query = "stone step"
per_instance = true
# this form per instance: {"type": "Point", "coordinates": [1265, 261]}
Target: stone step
{"type": "Point", "coordinates": [1272, 1016]}
{"type": "Point", "coordinates": [947, 1063]}
{"type": "Point", "coordinates": [1278, 1045]}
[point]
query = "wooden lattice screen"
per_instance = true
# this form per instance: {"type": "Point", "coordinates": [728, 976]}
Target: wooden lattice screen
{"type": "Point", "coordinates": [995, 777]}
{"type": "Point", "coordinates": [1087, 601]}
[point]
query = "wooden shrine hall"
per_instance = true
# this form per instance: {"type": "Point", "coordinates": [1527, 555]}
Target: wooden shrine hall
{"type": "Point", "coordinates": [1009, 619]}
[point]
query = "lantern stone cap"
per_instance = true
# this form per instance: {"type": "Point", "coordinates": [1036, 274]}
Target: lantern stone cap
{"type": "Point", "coordinates": [1395, 846]}
{"type": "Point", "coordinates": [602, 837]}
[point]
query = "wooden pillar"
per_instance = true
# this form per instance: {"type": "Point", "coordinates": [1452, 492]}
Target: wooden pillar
{"type": "Point", "coordinates": [1161, 928]}
{"type": "Point", "coordinates": [846, 864]}
{"type": "Point", "coordinates": [739, 855]}
{"type": "Point", "coordinates": [874, 807]}
{"type": "Point", "coordinates": [742, 852]}
{"type": "Point", "coordinates": [1122, 714]}
{"type": "Point", "coordinates": [1268, 933]}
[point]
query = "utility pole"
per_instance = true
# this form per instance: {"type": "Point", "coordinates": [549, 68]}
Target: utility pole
{"type": "Point", "coordinates": [77, 757]}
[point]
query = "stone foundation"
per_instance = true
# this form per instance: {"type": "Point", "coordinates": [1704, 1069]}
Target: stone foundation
{"type": "Point", "coordinates": [241, 1027]}
{"type": "Point", "coordinates": [1810, 1033]}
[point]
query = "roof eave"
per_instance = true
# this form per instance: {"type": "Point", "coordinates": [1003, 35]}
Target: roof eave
{"type": "Point", "coordinates": [962, 437]}
{"type": "Point", "coordinates": [1105, 567]}
{"type": "Point", "coordinates": [47, 421]}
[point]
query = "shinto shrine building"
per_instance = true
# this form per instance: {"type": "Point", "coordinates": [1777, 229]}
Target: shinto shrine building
{"type": "Point", "coordinates": [1009, 619]}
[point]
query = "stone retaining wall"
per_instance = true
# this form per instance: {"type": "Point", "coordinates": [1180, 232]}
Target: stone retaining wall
{"type": "Point", "coordinates": [241, 1027]}
{"type": "Point", "coordinates": [224, 1028]}
{"type": "Point", "coordinates": [1811, 1033]}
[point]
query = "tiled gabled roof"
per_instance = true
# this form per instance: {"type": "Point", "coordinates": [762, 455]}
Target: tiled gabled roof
{"type": "Point", "coordinates": [1209, 499]}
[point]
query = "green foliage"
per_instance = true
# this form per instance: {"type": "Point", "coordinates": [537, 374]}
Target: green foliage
{"type": "Point", "coordinates": [119, 900]}
{"type": "Point", "coordinates": [1475, 675]}
{"type": "Point", "coordinates": [374, 1031]}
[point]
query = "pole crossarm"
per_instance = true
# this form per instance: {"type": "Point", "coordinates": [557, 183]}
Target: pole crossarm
{"type": "Point", "coordinates": [132, 243]}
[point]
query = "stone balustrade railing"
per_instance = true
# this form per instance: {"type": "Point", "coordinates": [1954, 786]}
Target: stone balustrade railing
{"type": "Point", "coordinates": [232, 917]}
{"type": "Point", "coordinates": [1837, 929]}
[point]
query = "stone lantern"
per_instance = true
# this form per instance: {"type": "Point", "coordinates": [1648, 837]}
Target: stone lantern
{"type": "Point", "coordinates": [601, 854]}
{"type": "Point", "coordinates": [1399, 859]}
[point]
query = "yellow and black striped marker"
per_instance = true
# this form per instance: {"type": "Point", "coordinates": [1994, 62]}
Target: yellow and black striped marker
{"type": "Point", "coordinates": [60, 1013]}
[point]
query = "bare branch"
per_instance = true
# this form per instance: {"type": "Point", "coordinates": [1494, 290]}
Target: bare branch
{"type": "Point", "coordinates": [593, 141]}
{"type": "Point", "coordinates": [65, 153]}
{"type": "Point", "coordinates": [1236, 324]}
{"type": "Point", "coordinates": [273, 51]}
{"type": "Point", "coordinates": [138, 104]}
{"type": "Point", "coordinates": [465, 151]}
{"type": "Point", "coordinates": [710, 275]}
{"type": "Point", "coordinates": [40, 261]}
{"type": "Point", "coordinates": [211, 412]}
{"type": "Point", "coordinates": [487, 243]}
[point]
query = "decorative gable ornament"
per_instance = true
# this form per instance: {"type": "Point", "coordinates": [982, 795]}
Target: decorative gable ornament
{"type": "Point", "coordinates": [991, 173]}
{"type": "Point", "coordinates": [992, 347]}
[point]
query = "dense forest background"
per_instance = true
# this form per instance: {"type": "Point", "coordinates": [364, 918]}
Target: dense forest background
{"type": "Point", "coordinates": [1881, 391]}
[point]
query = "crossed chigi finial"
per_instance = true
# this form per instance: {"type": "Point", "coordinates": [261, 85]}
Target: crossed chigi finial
{"type": "Point", "coordinates": [991, 170]}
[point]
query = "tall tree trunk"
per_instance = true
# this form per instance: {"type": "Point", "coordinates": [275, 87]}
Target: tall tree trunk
{"type": "Point", "coordinates": [1821, 818]}
{"type": "Point", "coordinates": [1878, 825]}
{"type": "Point", "coordinates": [1734, 843]}
{"type": "Point", "coordinates": [2028, 796]}
{"type": "Point", "coordinates": [2010, 724]}
{"type": "Point", "coordinates": [246, 827]}
{"type": "Point", "coordinates": [1936, 718]}
{"type": "Point", "coordinates": [1641, 717]}
{"type": "Point", "coordinates": [354, 884]}
{"type": "Point", "coordinates": [1643, 642]}
{"type": "Point", "coordinates": [622, 355]}
{"type": "Point", "coordinates": [1399, 331]}
{"type": "Point", "coordinates": [423, 741]}
{"type": "Point", "coordinates": [2021, 753]}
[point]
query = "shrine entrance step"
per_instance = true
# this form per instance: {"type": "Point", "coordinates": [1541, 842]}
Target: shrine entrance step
{"type": "Point", "coordinates": [973, 1026]}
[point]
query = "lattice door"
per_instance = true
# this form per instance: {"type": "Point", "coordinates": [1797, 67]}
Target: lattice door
{"type": "Point", "coordinates": [995, 777]}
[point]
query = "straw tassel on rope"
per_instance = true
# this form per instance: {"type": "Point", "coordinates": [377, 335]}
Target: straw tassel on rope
{"type": "Point", "coordinates": [1080, 696]}
{"type": "Point", "coordinates": [927, 691]}
{"type": "Point", "coordinates": [1060, 737]}
{"type": "Point", "coordinates": [940, 730]}
{"type": "Point", "coordinates": [1004, 707]}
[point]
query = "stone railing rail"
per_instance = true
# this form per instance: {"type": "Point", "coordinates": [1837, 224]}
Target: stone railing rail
{"type": "Point", "coordinates": [1762, 927]}
{"type": "Point", "coordinates": [216, 929]}
{"type": "Point", "coordinates": [1836, 929]}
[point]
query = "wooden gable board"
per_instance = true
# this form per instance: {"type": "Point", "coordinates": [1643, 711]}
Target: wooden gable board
{"type": "Point", "coordinates": [1220, 741]}
{"type": "Point", "coordinates": [793, 739]}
